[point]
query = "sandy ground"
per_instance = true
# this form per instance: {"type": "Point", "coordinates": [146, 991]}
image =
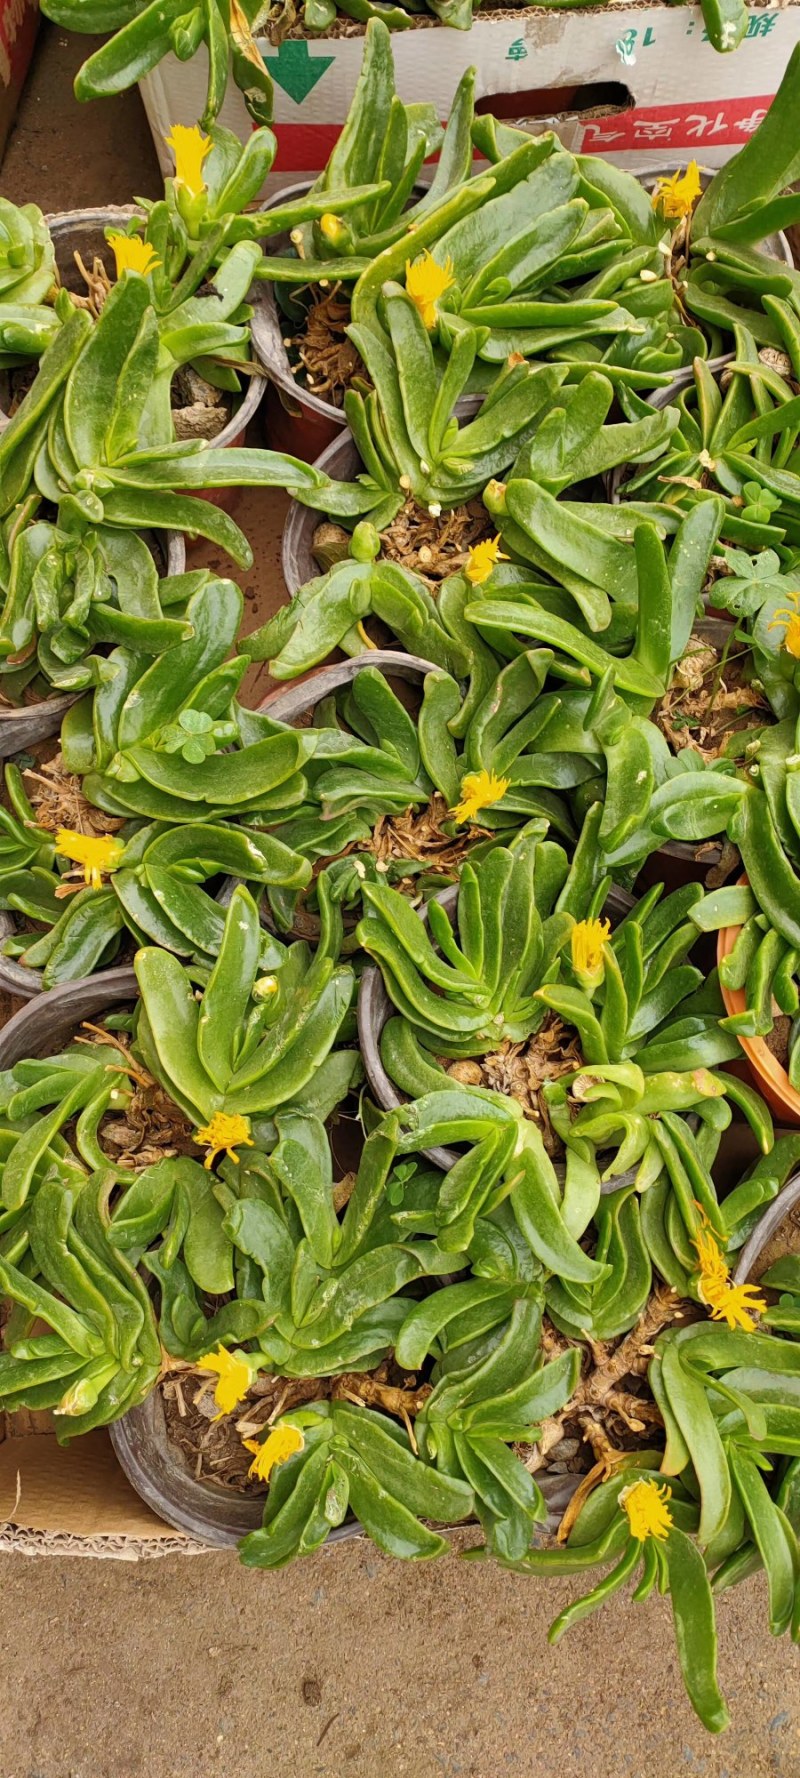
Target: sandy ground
{"type": "Point", "coordinates": [347, 1666]}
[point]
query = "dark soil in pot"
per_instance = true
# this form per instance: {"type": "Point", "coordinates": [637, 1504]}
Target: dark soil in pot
{"type": "Point", "coordinates": [322, 360]}
{"type": "Point", "coordinates": [520, 1070]}
{"type": "Point", "coordinates": [711, 701]}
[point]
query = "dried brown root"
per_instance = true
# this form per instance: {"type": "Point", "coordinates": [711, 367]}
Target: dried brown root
{"type": "Point", "coordinates": [422, 834]}
{"type": "Point", "coordinates": [435, 547]}
{"type": "Point", "coordinates": [58, 800]}
{"type": "Point", "coordinates": [343, 1191]}
{"type": "Point", "coordinates": [521, 1070]}
{"type": "Point", "coordinates": [608, 1459]}
{"type": "Point", "coordinates": [322, 349]}
{"type": "Point", "coordinates": [708, 700]}
{"type": "Point", "coordinates": [98, 285]}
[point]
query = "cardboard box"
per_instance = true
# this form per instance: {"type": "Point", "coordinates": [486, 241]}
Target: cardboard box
{"type": "Point", "coordinates": [19, 22]}
{"type": "Point", "coordinates": [635, 83]}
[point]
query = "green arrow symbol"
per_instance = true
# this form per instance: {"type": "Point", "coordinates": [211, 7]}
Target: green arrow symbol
{"type": "Point", "coordinates": [295, 70]}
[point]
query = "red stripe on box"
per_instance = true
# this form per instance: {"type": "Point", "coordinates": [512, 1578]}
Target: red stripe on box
{"type": "Point", "coordinates": [715, 123]}
{"type": "Point", "coordinates": [724, 123]}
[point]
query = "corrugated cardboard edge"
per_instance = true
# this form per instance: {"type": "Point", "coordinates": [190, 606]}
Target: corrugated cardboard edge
{"type": "Point", "coordinates": [20, 1540]}
{"type": "Point", "coordinates": [74, 1500]}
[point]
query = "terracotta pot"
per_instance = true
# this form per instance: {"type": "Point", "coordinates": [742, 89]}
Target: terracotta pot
{"type": "Point", "coordinates": [766, 1072]}
{"type": "Point", "coordinates": [375, 1009]}
{"type": "Point", "coordinates": [768, 1223]}
{"type": "Point", "coordinates": [218, 1516]}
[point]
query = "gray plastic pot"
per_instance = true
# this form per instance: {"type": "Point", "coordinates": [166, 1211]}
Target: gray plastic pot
{"type": "Point", "coordinates": [768, 1224]}
{"type": "Point", "coordinates": [218, 1516]}
{"type": "Point", "coordinates": [777, 245]}
{"type": "Point", "coordinates": [45, 1025]}
{"type": "Point", "coordinates": [83, 232]}
{"type": "Point", "coordinates": [21, 725]}
{"type": "Point", "coordinates": [298, 421]}
{"type": "Point", "coordinates": [291, 702]}
{"type": "Point", "coordinates": [375, 1009]}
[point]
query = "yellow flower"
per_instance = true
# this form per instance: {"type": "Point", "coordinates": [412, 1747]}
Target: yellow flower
{"type": "Point", "coordinates": [646, 1506]}
{"type": "Point", "coordinates": [133, 254]}
{"type": "Point", "coordinates": [735, 1303]}
{"type": "Point", "coordinates": [226, 1132]}
{"type": "Point", "coordinates": [190, 148]}
{"type": "Point", "coordinates": [482, 558]}
{"type": "Point", "coordinates": [98, 853]}
{"type": "Point", "coordinates": [587, 939]}
{"type": "Point", "coordinates": [788, 620]}
{"type": "Point", "coordinates": [677, 196]}
{"type": "Point", "coordinates": [426, 282]}
{"type": "Point", "coordinates": [281, 1443]}
{"type": "Point", "coordinates": [479, 790]}
{"type": "Point", "coordinates": [234, 1378]}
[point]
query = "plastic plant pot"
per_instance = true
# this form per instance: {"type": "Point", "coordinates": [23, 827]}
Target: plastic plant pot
{"type": "Point", "coordinates": [767, 1073]}
{"type": "Point", "coordinates": [375, 1009]}
{"type": "Point", "coordinates": [22, 724]}
{"type": "Point", "coordinates": [83, 232]}
{"type": "Point", "coordinates": [45, 1024]}
{"type": "Point", "coordinates": [768, 1224]}
{"type": "Point", "coordinates": [219, 1516]}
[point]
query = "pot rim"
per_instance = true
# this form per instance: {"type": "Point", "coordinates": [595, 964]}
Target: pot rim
{"type": "Point", "coordinates": [61, 223]}
{"type": "Point", "coordinates": [769, 1221]}
{"type": "Point", "coordinates": [143, 1449]}
{"type": "Point", "coordinates": [29, 1031]}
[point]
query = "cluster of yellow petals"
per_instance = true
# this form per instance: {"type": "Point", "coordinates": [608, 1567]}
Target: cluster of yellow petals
{"type": "Point", "coordinates": [482, 559]}
{"type": "Point", "coordinates": [645, 1504]}
{"type": "Point", "coordinates": [588, 939]}
{"type": "Point", "coordinates": [677, 195]}
{"type": "Point", "coordinates": [132, 254]}
{"type": "Point", "coordinates": [98, 853]}
{"type": "Point", "coordinates": [479, 790]}
{"type": "Point", "coordinates": [426, 282]}
{"type": "Point", "coordinates": [788, 620]}
{"type": "Point", "coordinates": [190, 148]}
{"type": "Point", "coordinates": [226, 1132]}
{"type": "Point", "coordinates": [233, 1378]}
{"type": "Point", "coordinates": [737, 1304]}
{"type": "Point", "coordinates": [281, 1442]}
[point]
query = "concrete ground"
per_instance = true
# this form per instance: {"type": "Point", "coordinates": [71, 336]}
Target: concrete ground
{"type": "Point", "coordinates": [348, 1666]}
